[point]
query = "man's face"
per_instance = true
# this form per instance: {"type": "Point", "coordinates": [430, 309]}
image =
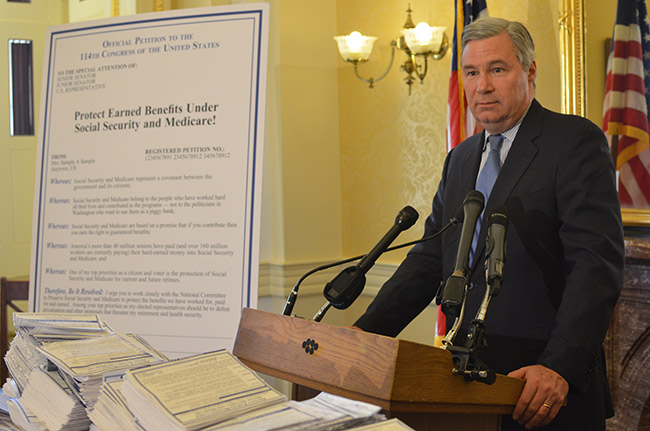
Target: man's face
{"type": "Point", "coordinates": [497, 87]}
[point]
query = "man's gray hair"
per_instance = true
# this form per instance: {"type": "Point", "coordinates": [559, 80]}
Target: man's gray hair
{"type": "Point", "coordinates": [486, 27]}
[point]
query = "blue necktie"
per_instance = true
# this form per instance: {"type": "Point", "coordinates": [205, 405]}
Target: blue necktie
{"type": "Point", "coordinates": [486, 180]}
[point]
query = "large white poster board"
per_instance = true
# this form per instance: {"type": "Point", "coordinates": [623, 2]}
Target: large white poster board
{"type": "Point", "coordinates": [150, 151]}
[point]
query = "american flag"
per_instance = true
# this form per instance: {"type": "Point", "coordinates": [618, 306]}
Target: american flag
{"type": "Point", "coordinates": [625, 110]}
{"type": "Point", "coordinates": [460, 122]}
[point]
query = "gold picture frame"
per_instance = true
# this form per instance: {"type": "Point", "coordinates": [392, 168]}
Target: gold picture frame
{"type": "Point", "coordinates": [572, 47]}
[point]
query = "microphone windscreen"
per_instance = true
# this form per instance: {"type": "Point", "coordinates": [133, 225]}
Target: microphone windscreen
{"type": "Point", "coordinates": [406, 217]}
{"type": "Point", "coordinates": [498, 215]}
{"type": "Point", "coordinates": [476, 197]}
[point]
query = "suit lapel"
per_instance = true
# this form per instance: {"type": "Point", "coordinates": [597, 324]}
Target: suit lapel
{"type": "Point", "coordinates": [520, 156]}
{"type": "Point", "coordinates": [470, 161]}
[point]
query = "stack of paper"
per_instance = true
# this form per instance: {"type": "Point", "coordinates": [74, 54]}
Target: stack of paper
{"type": "Point", "coordinates": [58, 361]}
{"type": "Point", "coordinates": [111, 411]}
{"type": "Point", "coordinates": [25, 419]}
{"type": "Point", "coordinates": [49, 398]}
{"type": "Point", "coordinates": [281, 416]}
{"type": "Point", "coordinates": [390, 425]}
{"type": "Point", "coordinates": [65, 325]}
{"type": "Point", "coordinates": [216, 392]}
{"type": "Point", "coordinates": [338, 413]}
{"type": "Point", "coordinates": [195, 392]}
{"type": "Point", "coordinates": [23, 357]}
{"type": "Point", "coordinates": [6, 395]}
{"type": "Point", "coordinates": [324, 412]}
{"type": "Point", "coordinates": [35, 329]}
{"type": "Point", "coordinates": [82, 363]}
{"type": "Point", "coordinates": [6, 424]}
{"type": "Point", "coordinates": [4, 402]}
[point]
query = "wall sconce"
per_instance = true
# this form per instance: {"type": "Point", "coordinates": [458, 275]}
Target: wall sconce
{"type": "Point", "coordinates": [417, 41]}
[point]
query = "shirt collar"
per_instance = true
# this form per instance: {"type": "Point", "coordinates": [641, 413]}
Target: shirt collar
{"type": "Point", "coordinates": [509, 134]}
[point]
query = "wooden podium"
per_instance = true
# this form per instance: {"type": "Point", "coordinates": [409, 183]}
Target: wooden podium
{"type": "Point", "coordinates": [411, 381]}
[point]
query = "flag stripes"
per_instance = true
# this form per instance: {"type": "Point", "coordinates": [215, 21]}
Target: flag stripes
{"type": "Point", "coordinates": [625, 108]}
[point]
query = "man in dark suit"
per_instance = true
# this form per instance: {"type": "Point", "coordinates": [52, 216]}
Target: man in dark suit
{"type": "Point", "coordinates": [565, 249]}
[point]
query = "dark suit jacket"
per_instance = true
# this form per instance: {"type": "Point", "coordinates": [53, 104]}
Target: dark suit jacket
{"type": "Point", "coordinates": [565, 254]}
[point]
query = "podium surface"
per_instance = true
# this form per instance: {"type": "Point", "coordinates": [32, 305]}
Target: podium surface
{"type": "Point", "coordinates": [408, 380]}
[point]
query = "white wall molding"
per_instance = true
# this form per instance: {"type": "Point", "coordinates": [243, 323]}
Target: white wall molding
{"type": "Point", "coordinates": [277, 279]}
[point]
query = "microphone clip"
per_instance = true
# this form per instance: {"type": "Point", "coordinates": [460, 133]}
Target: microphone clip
{"type": "Point", "coordinates": [466, 358]}
{"type": "Point", "coordinates": [345, 288]}
{"type": "Point", "coordinates": [470, 366]}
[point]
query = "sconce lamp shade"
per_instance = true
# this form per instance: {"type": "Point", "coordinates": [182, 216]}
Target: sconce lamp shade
{"type": "Point", "coordinates": [355, 46]}
{"type": "Point", "coordinates": [418, 42]}
{"type": "Point", "coordinates": [424, 39]}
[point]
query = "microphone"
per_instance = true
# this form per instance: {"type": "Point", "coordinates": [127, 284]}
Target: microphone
{"type": "Point", "coordinates": [293, 296]}
{"type": "Point", "coordinates": [496, 248]}
{"type": "Point", "coordinates": [347, 286]}
{"type": "Point", "coordinates": [404, 220]}
{"type": "Point", "coordinates": [454, 291]}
